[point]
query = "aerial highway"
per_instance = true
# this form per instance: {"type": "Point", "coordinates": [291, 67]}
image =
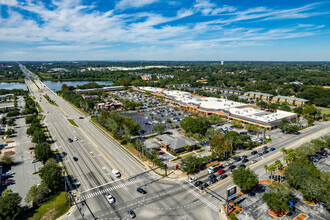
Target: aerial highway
{"type": "Point", "coordinates": [97, 154]}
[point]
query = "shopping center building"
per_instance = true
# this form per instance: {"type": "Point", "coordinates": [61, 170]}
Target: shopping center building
{"type": "Point", "coordinates": [246, 113]}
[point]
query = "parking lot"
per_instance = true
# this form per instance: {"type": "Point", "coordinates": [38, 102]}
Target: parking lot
{"type": "Point", "coordinates": [23, 167]}
{"type": "Point", "coordinates": [323, 164]}
{"type": "Point", "coordinates": [255, 208]}
{"type": "Point", "coordinates": [148, 118]}
{"type": "Point", "coordinates": [147, 101]}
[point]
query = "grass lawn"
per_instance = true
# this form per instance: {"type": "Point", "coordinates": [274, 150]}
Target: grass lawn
{"type": "Point", "coordinates": [327, 112]}
{"type": "Point", "coordinates": [72, 122]}
{"type": "Point", "coordinates": [53, 208]}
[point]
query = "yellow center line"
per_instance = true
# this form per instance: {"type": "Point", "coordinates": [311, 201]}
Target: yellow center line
{"type": "Point", "coordinates": [269, 158]}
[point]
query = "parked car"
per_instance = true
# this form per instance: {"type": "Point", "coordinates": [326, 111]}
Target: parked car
{"type": "Point", "coordinates": [265, 148]}
{"type": "Point", "coordinates": [140, 190]}
{"type": "Point", "coordinates": [81, 117]}
{"type": "Point", "coordinates": [223, 176]}
{"type": "Point", "coordinates": [75, 158]}
{"type": "Point", "coordinates": [245, 156]}
{"type": "Point", "coordinates": [254, 161]}
{"type": "Point", "coordinates": [131, 213]}
{"type": "Point", "coordinates": [70, 140]}
{"type": "Point", "coordinates": [265, 152]}
{"type": "Point", "coordinates": [254, 152]}
{"type": "Point", "coordinates": [242, 165]}
{"type": "Point", "coordinates": [259, 154]}
{"type": "Point", "coordinates": [75, 138]}
{"type": "Point", "coordinates": [161, 153]}
{"type": "Point", "coordinates": [232, 167]}
{"type": "Point", "coordinates": [192, 179]}
{"type": "Point", "coordinates": [245, 160]}
{"type": "Point", "coordinates": [272, 149]}
{"type": "Point", "coordinates": [10, 173]}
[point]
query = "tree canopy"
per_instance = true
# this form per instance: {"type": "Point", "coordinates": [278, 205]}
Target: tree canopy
{"type": "Point", "coordinates": [43, 152]}
{"type": "Point", "coordinates": [245, 178]}
{"type": "Point", "coordinates": [9, 205]}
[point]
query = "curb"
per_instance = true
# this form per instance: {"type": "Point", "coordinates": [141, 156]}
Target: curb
{"type": "Point", "coordinates": [66, 215]}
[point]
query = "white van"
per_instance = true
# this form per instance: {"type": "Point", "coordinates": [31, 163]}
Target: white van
{"type": "Point", "coordinates": [116, 173]}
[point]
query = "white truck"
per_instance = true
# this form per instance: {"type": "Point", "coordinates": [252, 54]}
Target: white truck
{"type": "Point", "coordinates": [213, 169]}
{"type": "Point", "coordinates": [116, 173]}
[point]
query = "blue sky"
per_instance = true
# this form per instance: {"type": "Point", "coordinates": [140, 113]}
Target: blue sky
{"type": "Point", "coordinates": [290, 30]}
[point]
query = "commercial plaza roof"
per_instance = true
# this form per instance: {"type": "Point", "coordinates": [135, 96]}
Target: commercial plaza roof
{"type": "Point", "coordinates": [238, 110]}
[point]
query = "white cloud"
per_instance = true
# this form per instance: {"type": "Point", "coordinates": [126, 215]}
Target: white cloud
{"type": "Point", "coordinates": [71, 26]}
{"type": "Point", "coordinates": [71, 47]}
{"type": "Point", "coordinates": [123, 4]}
{"type": "Point", "coordinates": [8, 2]}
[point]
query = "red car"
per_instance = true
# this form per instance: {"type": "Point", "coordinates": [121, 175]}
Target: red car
{"type": "Point", "coordinates": [221, 172]}
{"type": "Point", "coordinates": [81, 117]}
{"type": "Point", "coordinates": [161, 153]}
{"type": "Point", "coordinates": [141, 114]}
{"type": "Point", "coordinates": [325, 152]}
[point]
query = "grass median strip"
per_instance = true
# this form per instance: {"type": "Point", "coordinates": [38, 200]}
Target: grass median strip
{"type": "Point", "coordinates": [39, 108]}
{"type": "Point", "coordinates": [50, 101]}
{"type": "Point", "coordinates": [72, 122]}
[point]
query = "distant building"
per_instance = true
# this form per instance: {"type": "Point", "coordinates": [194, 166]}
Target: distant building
{"type": "Point", "coordinates": [109, 105]}
{"type": "Point", "coordinates": [6, 98]}
{"type": "Point", "coordinates": [174, 144]}
{"type": "Point", "coordinates": [291, 100]}
{"type": "Point", "coordinates": [222, 62]}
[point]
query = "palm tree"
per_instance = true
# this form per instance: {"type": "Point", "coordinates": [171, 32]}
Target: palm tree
{"type": "Point", "coordinates": [272, 169]}
{"type": "Point", "coordinates": [279, 166]}
{"type": "Point", "coordinates": [266, 167]}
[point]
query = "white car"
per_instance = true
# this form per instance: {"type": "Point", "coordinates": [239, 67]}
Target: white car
{"type": "Point", "coordinates": [254, 161]}
{"type": "Point", "coordinates": [192, 179]}
{"type": "Point", "coordinates": [75, 138]}
{"type": "Point", "coordinates": [110, 198]}
{"type": "Point", "coordinates": [10, 173]}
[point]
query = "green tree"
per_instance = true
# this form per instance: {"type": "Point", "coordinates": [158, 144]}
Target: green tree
{"type": "Point", "coordinates": [51, 176]}
{"type": "Point", "coordinates": [285, 107]}
{"type": "Point", "coordinates": [38, 136]}
{"type": "Point", "coordinates": [6, 159]}
{"type": "Point", "coordinates": [309, 111]}
{"type": "Point", "coordinates": [9, 205]}
{"type": "Point", "coordinates": [9, 132]}
{"type": "Point", "coordinates": [284, 123]}
{"type": "Point", "coordinates": [190, 164]}
{"type": "Point", "coordinates": [219, 146]}
{"type": "Point", "coordinates": [277, 200]}
{"type": "Point", "coordinates": [194, 125]}
{"type": "Point", "coordinates": [43, 152]}
{"type": "Point", "coordinates": [159, 127]}
{"type": "Point", "coordinates": [236, 123]}
{"type": "Point", "coordinates": [213, 119]}
{"type": "Point", "coordinates": [37, 195]}
{"type": "Point", "coordinates": [245, 178]}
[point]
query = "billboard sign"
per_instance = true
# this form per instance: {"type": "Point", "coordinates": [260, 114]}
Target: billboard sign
{"type": "Point", "coordinates": [231, 193]}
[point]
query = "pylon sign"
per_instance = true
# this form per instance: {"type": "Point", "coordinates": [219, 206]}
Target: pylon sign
{"type": "Point", "coordinates": [231, 193]}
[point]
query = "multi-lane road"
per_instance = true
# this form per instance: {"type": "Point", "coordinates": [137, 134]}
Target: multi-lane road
{"type": "Point", "coordinates": [98, 154]}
